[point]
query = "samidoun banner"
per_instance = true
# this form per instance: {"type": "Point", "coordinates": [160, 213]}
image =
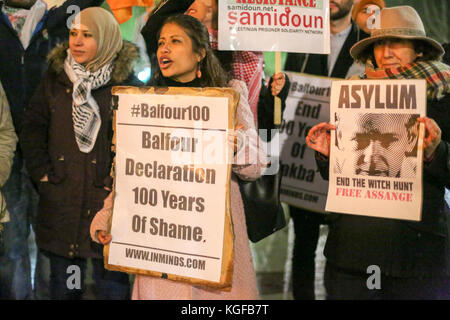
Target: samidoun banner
{"type": "Point", "coordinates": [275, 25]}
{"type": "Point", "coordinates": [308, 104]}
{"type": "Point", "coordinates": [376, 149]}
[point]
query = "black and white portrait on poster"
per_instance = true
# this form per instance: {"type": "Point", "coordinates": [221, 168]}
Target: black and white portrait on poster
{"type": "Point", "coordinates": [381, 145]}
{"type": "Point", "coordinates": [376, 150]}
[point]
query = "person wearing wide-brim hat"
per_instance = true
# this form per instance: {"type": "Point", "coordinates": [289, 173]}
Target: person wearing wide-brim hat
{"type": "Point", "coordinates": [398, 23]}
{"type": "Point", "coordinates": [378, 258]}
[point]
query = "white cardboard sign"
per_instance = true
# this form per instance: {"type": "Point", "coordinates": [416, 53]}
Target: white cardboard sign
{"type": "Point", "coordinates": [376, 149]}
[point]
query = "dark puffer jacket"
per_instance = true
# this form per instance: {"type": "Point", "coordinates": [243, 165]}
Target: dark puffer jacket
{"type": "Point", "coordinates": [75, 191]}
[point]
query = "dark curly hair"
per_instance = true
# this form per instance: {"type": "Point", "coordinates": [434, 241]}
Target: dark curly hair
{"type": "Point", "coordinates": [213, 75]}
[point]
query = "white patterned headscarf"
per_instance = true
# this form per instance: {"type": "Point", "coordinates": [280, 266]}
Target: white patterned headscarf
{"type": "Point", "coordinates": [94, 74]}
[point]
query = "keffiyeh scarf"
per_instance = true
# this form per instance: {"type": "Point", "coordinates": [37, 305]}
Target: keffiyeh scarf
{"type": "Point", "coordinates": [248, 66]}
{"type": "Point", "coordinates": [437, 75]}
{"type": "Point", "coordinates": [85, 110]}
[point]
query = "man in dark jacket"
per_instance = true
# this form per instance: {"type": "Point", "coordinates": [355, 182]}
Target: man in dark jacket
{"type": "Point", "coordinates": [28, 31]}
{"type": "Point", "coordinates": [338, 64]}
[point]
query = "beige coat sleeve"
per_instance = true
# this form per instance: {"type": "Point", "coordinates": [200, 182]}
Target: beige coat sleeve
{"type": "Point", "coordinates": [8, 142]}
{"type": "Point", "coordinates": [250, 160]}
{"type": "Point", "coordinates": [102, 218]}
{"type": "Point", "coordinates": [8, 138]}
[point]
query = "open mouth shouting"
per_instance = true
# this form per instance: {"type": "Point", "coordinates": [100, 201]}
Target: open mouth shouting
{"type": "Point", "coordinates": [165, 62]}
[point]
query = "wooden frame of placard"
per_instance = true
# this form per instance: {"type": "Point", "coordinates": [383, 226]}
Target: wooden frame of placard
{"type": "Point", "coordinates": [227, 254]}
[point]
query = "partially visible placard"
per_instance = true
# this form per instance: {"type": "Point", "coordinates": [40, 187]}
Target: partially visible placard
{"type": "Point", "coordinates": [171, 215]}
{"type": "Point", "coordinates": [376, 149]}
{"type": "Point", "coordinates": [275, 25]}
{"type": "Point", "coordinates": [308, 104]}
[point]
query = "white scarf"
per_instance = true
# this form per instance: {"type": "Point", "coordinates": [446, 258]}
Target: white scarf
{"type": "Point", "coordinates": [85, 110]}
{"type": "Point", "coordinates": [33, 16]}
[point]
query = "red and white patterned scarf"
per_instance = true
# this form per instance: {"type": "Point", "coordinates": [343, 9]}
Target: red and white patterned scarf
{"type": "Point", "coordinates": [436, 73]}
{"type": "Point", "coordinates": [247, 67]}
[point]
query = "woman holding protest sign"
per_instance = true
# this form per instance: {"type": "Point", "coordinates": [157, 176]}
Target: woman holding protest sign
{"type": "Point", "coordinates": [377, 258]}
{"type": "Point", "coordinates": [185, 59]}
{"type": "Point", "coordinates": [66, 140]}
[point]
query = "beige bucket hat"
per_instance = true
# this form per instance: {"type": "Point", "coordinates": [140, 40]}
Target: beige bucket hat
{"type": "Point", "coordinates": [396, 22]}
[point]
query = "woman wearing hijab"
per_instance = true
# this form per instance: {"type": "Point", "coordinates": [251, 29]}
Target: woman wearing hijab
{"type": "Point", "coordinates": [185, 59]}
{"type": "Point", "coordinates": [412, 258]}
{"type": "Point", "coordinates": [66, 140]}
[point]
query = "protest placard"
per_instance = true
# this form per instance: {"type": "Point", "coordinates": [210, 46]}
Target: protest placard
{"type": "Point", "coordinates": [376, 149]}
{"type": "Point", "coordinates": [271, 25]}
{"type": "Point", "coordinates": [171, 215]}
{"type": "Point", "coordinates": [308, 104]}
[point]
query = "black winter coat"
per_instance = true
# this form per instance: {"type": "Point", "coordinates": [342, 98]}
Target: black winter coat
{"type": "Point", "coordinates": [21, 70]}
{"type": "Point", "coordinates": [400, 248]}
{"type": "Point", "coordinates": [76, 187]}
